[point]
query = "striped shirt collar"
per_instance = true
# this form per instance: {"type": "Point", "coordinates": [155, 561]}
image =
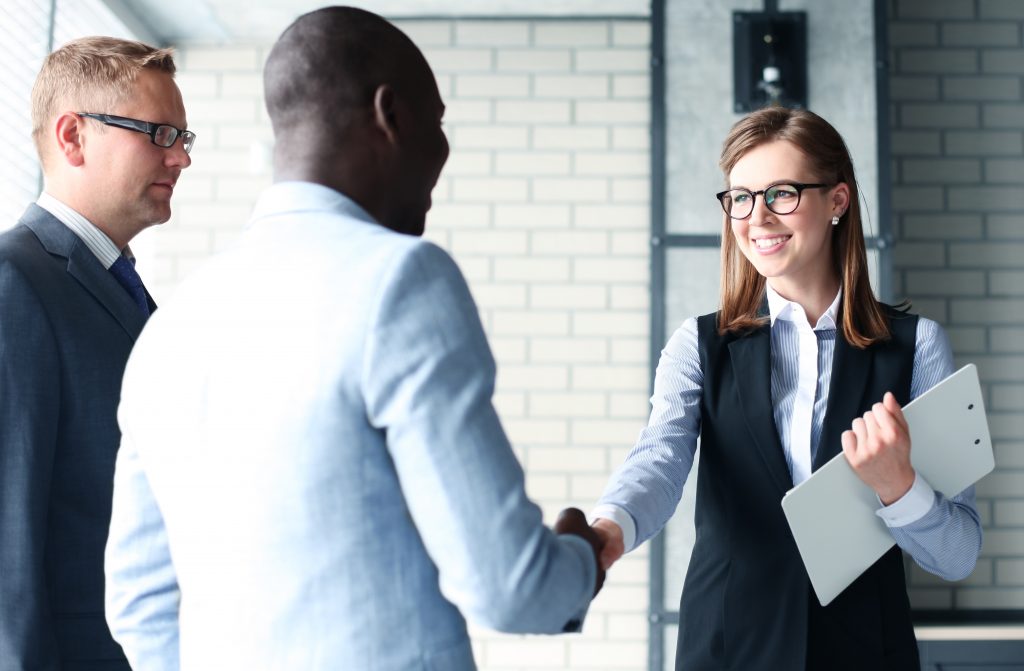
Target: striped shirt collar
{"type": "Point", "coordinates": [96, 240]}
{"type": "Point", "coordinates": [782, 308]}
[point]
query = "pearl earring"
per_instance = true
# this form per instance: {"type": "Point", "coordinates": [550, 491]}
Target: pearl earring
{"type": "Point", "coordinates": [835, 221]}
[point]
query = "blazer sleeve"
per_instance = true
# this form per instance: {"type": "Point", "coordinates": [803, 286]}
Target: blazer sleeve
{"type": "Point", "coordinates": [142, 594]}
{"type": "Point", "coordinates": [29, 415]}
{"type": "Point", "coordinates": [428, 381]}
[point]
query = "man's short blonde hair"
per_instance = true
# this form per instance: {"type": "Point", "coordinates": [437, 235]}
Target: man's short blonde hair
{"type": "Point", "coordinates": [90, 74]}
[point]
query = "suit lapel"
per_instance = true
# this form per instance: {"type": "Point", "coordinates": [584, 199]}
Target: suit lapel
{"type": "Point", "coordinates": [751, 362]}
{"type": "Point", "coordinates": [85, 268]}
{"type": "Point", "coordinates": [851, 371]}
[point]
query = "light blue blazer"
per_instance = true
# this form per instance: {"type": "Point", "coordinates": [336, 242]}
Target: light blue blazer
{"type": "Point", "coordinates": [312, 474]}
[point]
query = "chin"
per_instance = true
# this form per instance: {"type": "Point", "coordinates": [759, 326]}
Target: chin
{"type": "Point", "coordinates": [158, 214]}
{"type": "Point", "coordinates": [415, 225]}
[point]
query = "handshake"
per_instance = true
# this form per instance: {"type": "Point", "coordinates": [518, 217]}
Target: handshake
{"type": "Point", "coordinates": [604, 536]}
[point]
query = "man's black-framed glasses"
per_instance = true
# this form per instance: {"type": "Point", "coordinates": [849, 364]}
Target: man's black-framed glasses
{"type": "Point", "coordinates": [781, 198]}
{"type": "Point", "coordinates": [159, 134]}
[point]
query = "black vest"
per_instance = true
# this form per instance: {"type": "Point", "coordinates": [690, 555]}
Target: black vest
{"type": "Point", "coordinates": [747, 602]}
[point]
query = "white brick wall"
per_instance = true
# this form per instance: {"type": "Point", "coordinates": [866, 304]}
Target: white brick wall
{"type": "Point", "coordinates": [957, 147]}
{"type": "Point", "coordinates": [544, 204]}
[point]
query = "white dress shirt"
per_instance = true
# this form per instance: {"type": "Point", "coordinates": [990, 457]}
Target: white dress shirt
{"type": "Point", "coordinates": [96, 240]}
{"type": "Point", "coordinates": [798, 456]}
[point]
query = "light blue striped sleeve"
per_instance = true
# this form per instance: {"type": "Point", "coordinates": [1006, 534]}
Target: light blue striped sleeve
{"type": "Point", "coordinates": [646, 488]}
{"type": "Point", "coordinates": [945, 537]}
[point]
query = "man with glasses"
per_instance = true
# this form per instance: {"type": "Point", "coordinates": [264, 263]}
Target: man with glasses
{"type": "Point", "coordinates": [108, 124]}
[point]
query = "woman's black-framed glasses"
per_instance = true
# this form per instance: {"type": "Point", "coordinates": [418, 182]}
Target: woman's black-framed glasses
{"type": "Point", "coordinates": [159, 134]}
{"type": "Point", "coordinates": [781, 198]}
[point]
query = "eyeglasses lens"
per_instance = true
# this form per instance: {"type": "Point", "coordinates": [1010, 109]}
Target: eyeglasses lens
{"type": "Point", "coordinates": [780, 199]}
{"type": "Point", "coordinates": [165, 135]}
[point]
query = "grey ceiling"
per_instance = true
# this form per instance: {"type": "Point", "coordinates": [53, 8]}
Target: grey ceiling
{"type": "Point", "coordinates": [226, 21]}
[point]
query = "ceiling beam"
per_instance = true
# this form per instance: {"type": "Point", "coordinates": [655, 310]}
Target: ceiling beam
{"type": "Point", "coordinates": [160, 23]}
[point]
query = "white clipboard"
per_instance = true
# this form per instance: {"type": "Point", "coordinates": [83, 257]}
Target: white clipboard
{"type": "Point", "coordinates": [832, 513]}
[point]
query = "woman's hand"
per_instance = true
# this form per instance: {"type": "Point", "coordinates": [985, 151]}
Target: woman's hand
{"type": "Point", "coordinates": [878, 449]}
{"type": "Point", "coordinates": [611, 534]}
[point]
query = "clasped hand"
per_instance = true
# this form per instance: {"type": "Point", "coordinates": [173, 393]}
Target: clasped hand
{"type": "Point", "coordinates": [573, 521]}
{"type": "Point", "coordinates": [878, 448]}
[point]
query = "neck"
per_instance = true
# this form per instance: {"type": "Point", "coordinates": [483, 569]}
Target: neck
{"type": "Point", "coordinates": [353, 164]}
{"type": "Point", "coordinates": [815, 298]}
{"type": "Point", "coordinates": [87, 207]}
{"type": "Point", "coordinates": [353, 176]}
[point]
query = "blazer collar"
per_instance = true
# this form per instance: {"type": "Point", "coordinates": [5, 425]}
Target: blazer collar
{"type": "Point", "coordinates": [85, 268]}
{"type": "Point", "coordinates": [284, 198]}
{"type": "Point", "coordinates": [751, 359]}
{"type": "Point", "coordinates": [851, 372]}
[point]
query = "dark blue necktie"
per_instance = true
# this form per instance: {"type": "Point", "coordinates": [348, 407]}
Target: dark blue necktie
{"type": "Point", "coordinates": [123, 271]}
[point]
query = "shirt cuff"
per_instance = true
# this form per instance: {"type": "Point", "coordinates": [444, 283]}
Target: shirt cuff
{"type": "Point", "coordinates": [618, 515]}
{"type": "Point", "coordinates": [914, 505]}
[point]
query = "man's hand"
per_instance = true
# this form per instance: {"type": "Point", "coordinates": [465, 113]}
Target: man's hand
{"type": "Point", "coordinates": [878, 449]}
{"type": "Point", "coordinates": [611, 534]}
{"type": "Point", "coordinates": [573, 521]}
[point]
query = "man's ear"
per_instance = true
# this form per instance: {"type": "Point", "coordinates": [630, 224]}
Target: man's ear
{"type": "Point", "coordinates": [68, 135]}
{"type": "Point", "coordinates": [384, 112]}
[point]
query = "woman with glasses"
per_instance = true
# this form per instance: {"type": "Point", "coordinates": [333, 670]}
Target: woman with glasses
{"type": "Point", "coordinates": [800, 362]}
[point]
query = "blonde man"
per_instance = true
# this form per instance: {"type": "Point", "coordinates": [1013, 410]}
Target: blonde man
{"type": "Point", "coordinates": [109, 126]}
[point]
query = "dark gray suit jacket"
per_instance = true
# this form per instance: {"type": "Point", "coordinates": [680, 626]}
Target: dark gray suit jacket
{"type": "Point", "coordinates": [66, 329]}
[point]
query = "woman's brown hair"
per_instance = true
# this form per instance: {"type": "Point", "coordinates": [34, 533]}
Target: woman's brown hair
{"type": "Point", "coordinates": [863, 317]}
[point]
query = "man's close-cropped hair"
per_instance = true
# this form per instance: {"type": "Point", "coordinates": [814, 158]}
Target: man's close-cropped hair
{"type": "Point", "coordinates": [90, 74]}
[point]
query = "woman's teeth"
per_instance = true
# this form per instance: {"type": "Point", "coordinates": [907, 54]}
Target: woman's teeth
{"type": "Point", "coordinates": [765, 243]}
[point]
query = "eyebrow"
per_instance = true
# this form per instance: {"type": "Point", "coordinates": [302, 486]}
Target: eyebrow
{"type": "Point", "coordinates": [768, 185]}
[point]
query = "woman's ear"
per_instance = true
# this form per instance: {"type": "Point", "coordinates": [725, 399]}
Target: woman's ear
{"type": "Point", "coordinates": [840, 198]}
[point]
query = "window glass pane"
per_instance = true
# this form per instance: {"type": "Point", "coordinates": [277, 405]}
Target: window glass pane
{"type": "Point", "coordinates": [692, 279]}
{"type": "Point", "coordinates": [691, 284]}
{"type": "Point", "coordinates": [699, 105]}
{"type": "Point", "coordinates": [669, 646]}
{"type": "Point", "coordinates": [679, 539]}
{"type": "Point", "coordinates": [24, 43]}
{"type": "Point", "coordinates": [24, 36]}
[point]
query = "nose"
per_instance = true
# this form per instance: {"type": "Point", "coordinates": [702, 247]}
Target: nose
{"type": "Point", "coordinates": [176, 156]}
{"type": "Point", "coordinates": [445, 148]}
{"type": "Point", "coordinates": [760, 215]}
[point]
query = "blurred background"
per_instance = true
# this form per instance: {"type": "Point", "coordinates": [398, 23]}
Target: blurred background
{"type": "Point", "coordinates": [579, 202]}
